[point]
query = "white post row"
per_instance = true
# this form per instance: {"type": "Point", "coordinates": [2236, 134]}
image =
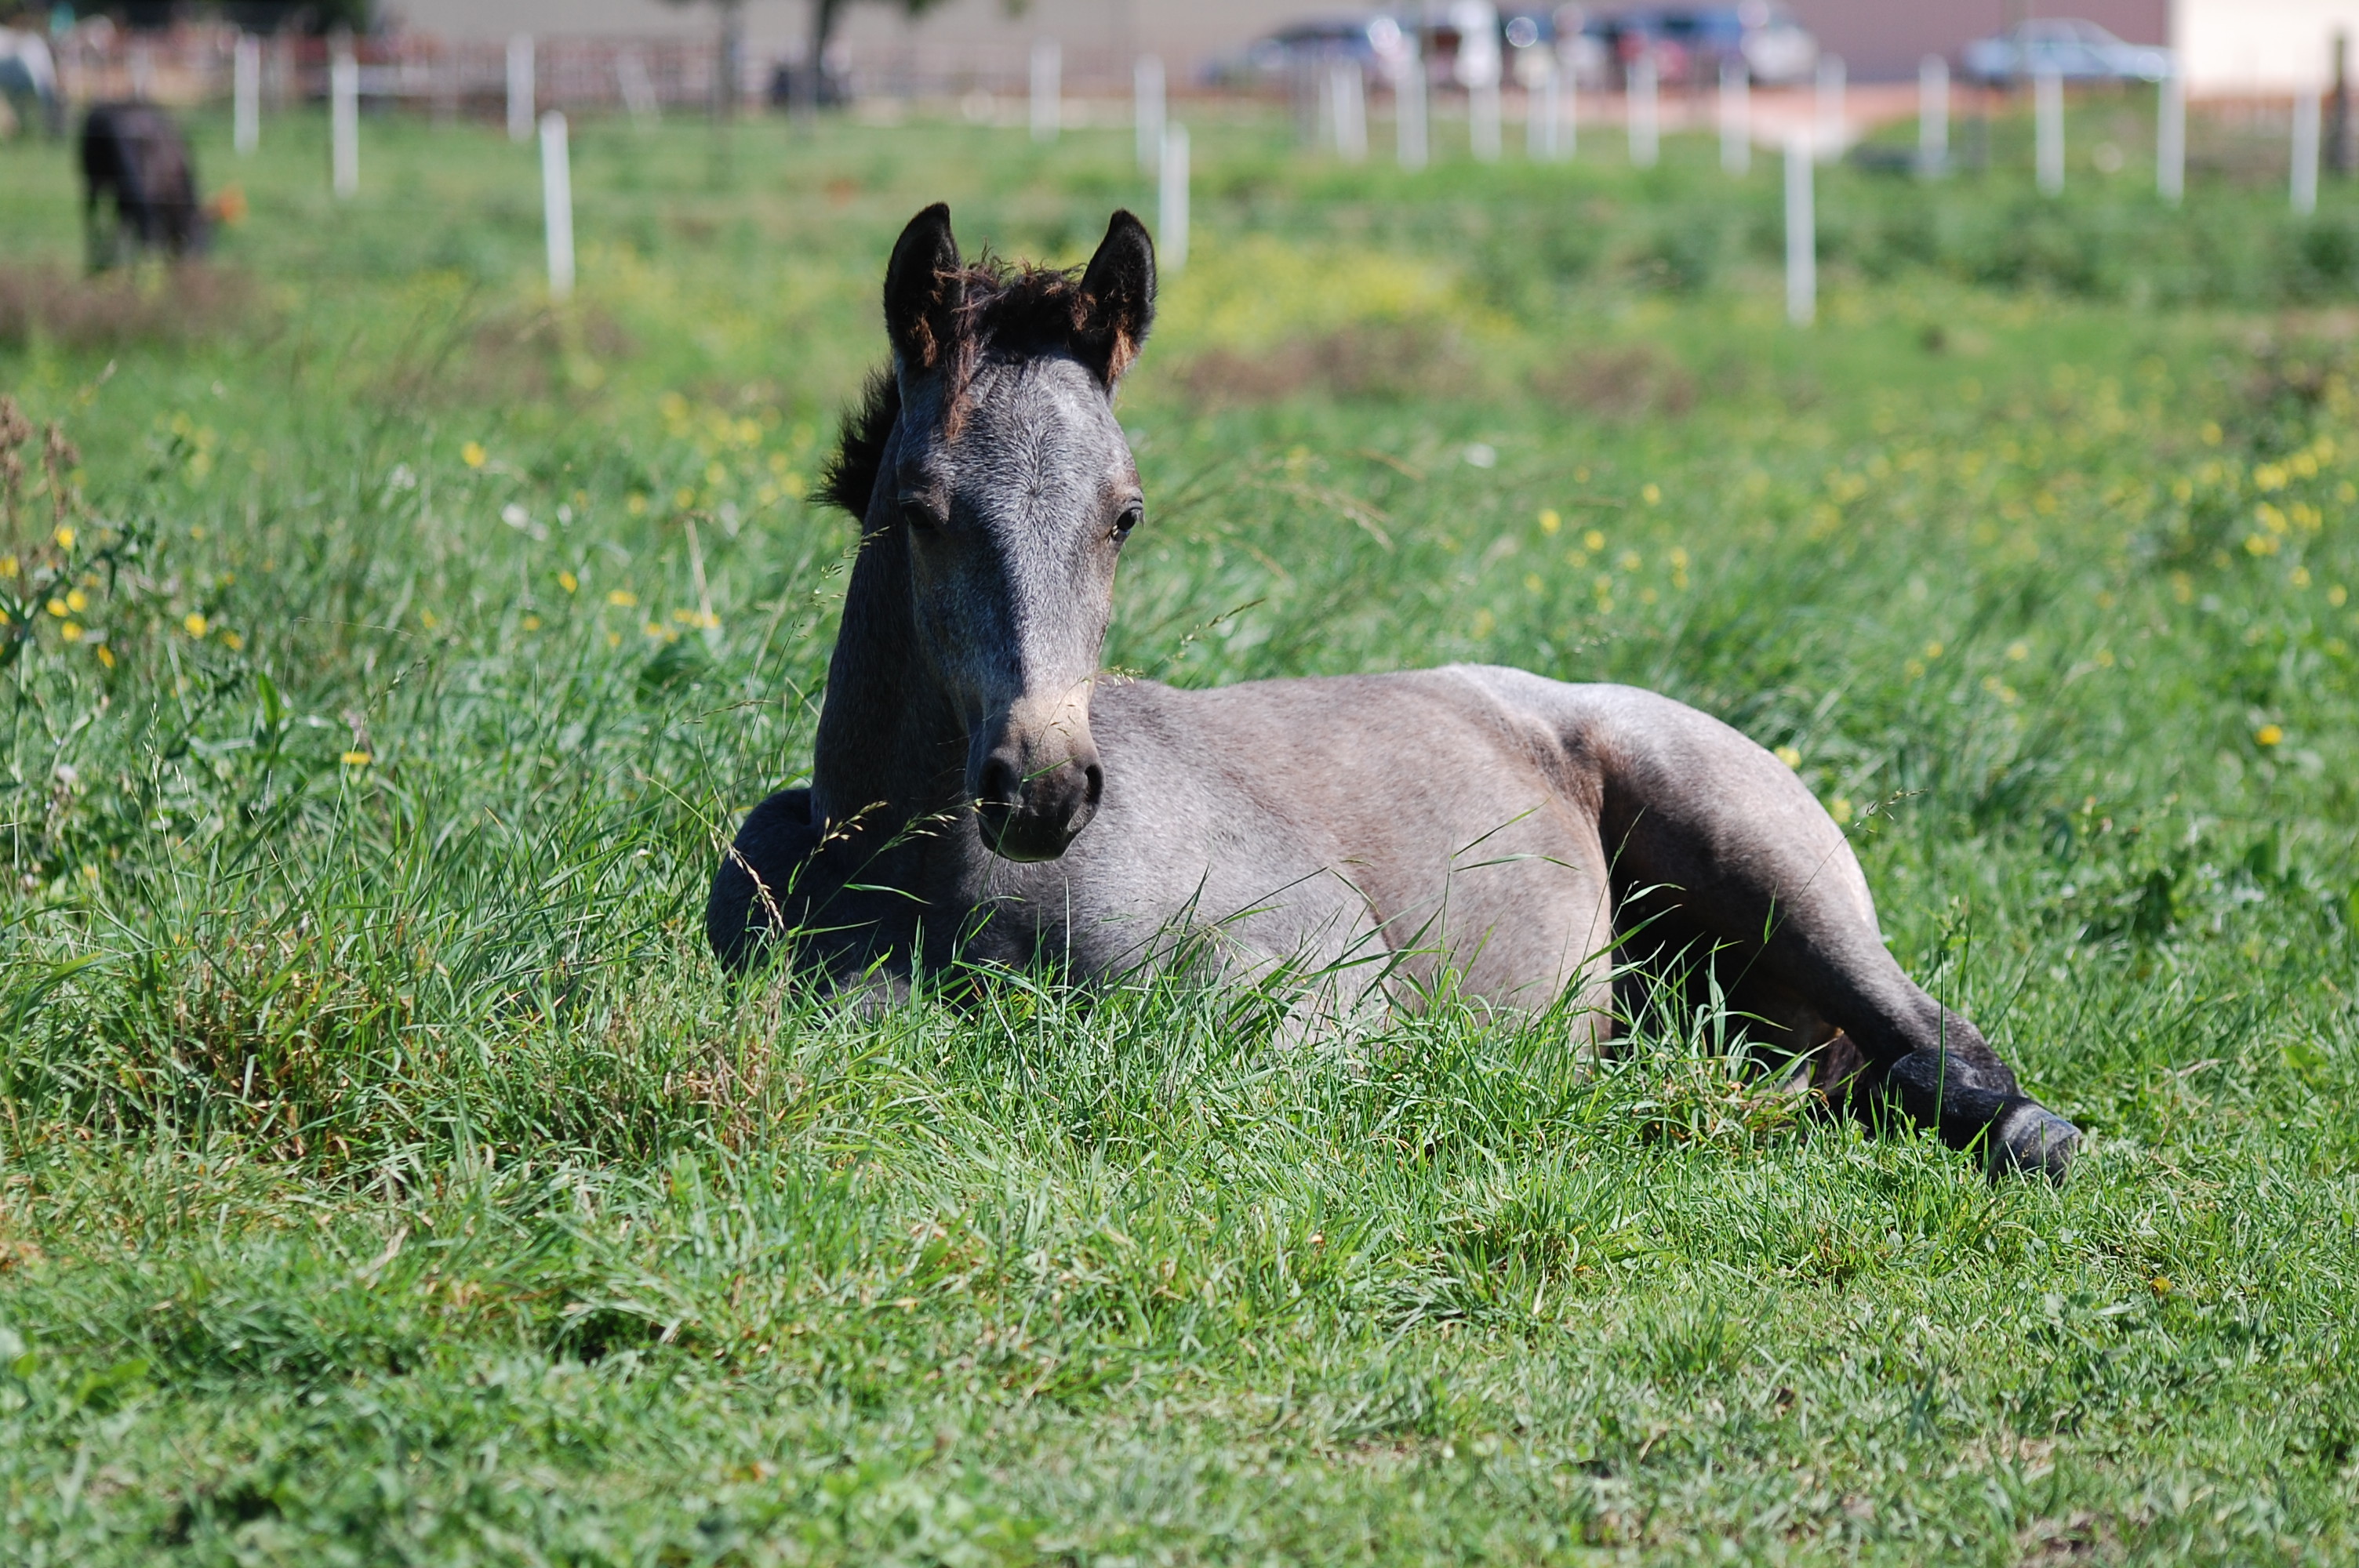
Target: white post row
{"type": "Point", "coordinates": [1171, 203]}
{"type": "Point", "coordinates": [1834, 124]}
{"type": "Point", "coordinates": [2305, 151]}
{"type": "Point", "coordinates": [1645, 123]}
{"type": "Point", "coordinates": [1048, 90]}
{"type": "Point", "coordinates": [1735, 118]}
{"type": "Point", "coordinates": [2047, 113]}
{"type": "Point", "coordinates": [344, 123]}
{"type": "Point", "coordinates": [1146, 107]}
{"type": "Point", "coordinates": [520, 87]}
{"type": "Point", "coordinates": [1346, 91]}
{"type": "Point", "coordinates": [1408, 111]}
{"type": "Point", "coordinates": [557, 203]}
{"type": "Point", "coordinates": [246, 93]}
{"type": "Point", "coordinates": [1542, 124]}
{"type": "Point", "coordinates": [1932, 116]}
{"type": "Point", "coordinates": [2171, 138]}
{"type": "Point", "coordinates": [1801, 233]}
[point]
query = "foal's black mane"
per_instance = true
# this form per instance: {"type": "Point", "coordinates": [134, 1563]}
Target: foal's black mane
{"type": "Point", "coordinates": [1009, 309]}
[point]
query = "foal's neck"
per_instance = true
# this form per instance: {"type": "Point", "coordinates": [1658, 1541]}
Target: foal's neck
{"type": "Point", "coordinates": [890, 746]}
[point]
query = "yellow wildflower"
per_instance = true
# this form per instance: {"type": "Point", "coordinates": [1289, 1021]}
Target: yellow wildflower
{"type": "Point", "coordinates": [106, 655]}
{"type": "Point", "coordinates": [194, 624]}
{"type": "Point", "coordinates": [1789, 756]}
{"type": "Point", "coordinates": [1593, 541]}
{"type": "Point", "coordinates": [65, 539]}
{"type": "Point", "coordinates": [71, 632]}
{"type": "Point", "coordinates": [2268, 735]}
{"type": "Point", "coordinates": [568, 581]}
{"type": "Point", "coordinates": [1549, 521]}
{"type": "Point", "coordinates": [357, 759]}
{"type": "Point", "coordinates": [232, 641]}
{"type": "Point", "coordinates": [474, 455]}
{"type": "Point", "coordinates": [622, 599]}
{"type": "Point", "coordinates": [77, 600]}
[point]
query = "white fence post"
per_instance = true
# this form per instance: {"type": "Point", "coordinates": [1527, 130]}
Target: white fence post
{"type": "Point", "coordinates": [246, 93]}
{"type": "Point", "coordinates": [2048, 112]}
{"type": "Point", "coordinates": [344, 121]}
{"type": "Point", "coordinates": [1482, 121]}
{"type": "Point", "coordinates": [520, 87]}
{"type": "Point", "coordinates": [1541, 110]}
{"type": "Point", "coordinates": [2305, 151]}
{"type": "Point", "coordinates": [1801, 233]}
{"type": "Point", "coordinates": [1146, 106]}
{"type": "Point", "coordinates": [1408, 111]}
{"type": "Point", "coordinates": [1048, 90]}
{"type": "Point", "coordinates": [557, 203]}
{"type": "Point", "coordinates": [1645, 126]}
{"type": "Point", "coordinates": [1346, 91]}
{"type": "Point", "coordinates": [1835, 118]}
{"type": "Point", "coordinates": [637, 89]}
{"type": "Point", "coordinates": [2170, 138]}
{"type": "Point", "coordinates": [1932, 115]}
{"type": "Point", "coordinates": [1172, 193]}
{"type": "Point", "coordinates": [1568, 105]}
{"type": "Point", "coordinates": [1735, 118]}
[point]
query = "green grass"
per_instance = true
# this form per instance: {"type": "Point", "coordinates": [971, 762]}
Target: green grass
{"type": "Point", "coordinates": [386, 1176]}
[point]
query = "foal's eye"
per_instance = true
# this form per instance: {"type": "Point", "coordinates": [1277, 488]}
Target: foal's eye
{"type": "Point", "coordinates": [918, 514]}
{"type": "Point", "coordinates": [1126, 521]}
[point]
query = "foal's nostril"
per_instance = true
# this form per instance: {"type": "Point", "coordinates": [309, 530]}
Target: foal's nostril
{"type": "Point", "coordinates": [1096, 785]}
{"type": "Point", "coordinates": [998, 785]}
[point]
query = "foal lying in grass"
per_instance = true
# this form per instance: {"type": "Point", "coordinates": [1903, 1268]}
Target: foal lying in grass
{"type": "Point", "coordinates": [979, 789]}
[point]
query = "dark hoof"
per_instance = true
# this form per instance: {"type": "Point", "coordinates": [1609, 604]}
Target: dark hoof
{"type": "Point", "coordinates": [2028, 1139]}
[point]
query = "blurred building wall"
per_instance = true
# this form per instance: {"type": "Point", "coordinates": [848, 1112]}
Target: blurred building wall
{"type": "Point", "coordinates": [1878, 39]}
{"type": "Point", "coordinates": [1095, 34]}
{"type": "Point", "coordinates": [2240, 47]}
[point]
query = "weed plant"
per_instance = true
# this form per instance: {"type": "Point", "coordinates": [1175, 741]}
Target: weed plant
{"type": "Point", "coordinates": [387, 1174]}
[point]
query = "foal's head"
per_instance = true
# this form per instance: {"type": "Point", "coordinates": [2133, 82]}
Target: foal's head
{"type": "Point", "coordinates": [991, 452]}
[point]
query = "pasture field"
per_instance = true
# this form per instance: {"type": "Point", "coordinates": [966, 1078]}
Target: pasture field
{"type": "Point", "coordinates": [388, 1176]}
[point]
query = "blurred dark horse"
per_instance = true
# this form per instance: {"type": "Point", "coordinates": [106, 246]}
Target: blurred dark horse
{"type": "Point", "coordinates": [1527, 843]}
{"type": "Point", "coordinates": [134, 159]}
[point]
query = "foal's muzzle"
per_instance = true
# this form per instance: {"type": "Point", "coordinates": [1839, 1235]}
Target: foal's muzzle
{"type": "Point", "coordinates": [1035, 792]}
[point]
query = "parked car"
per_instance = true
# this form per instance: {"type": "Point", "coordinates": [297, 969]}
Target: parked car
{"type": "Point", "coordinates": [1379, 42]}
{"type": "Point", "coordinates": [1690, 43]}
{"type": "Point", "coordinates": [2077, 51]}
{"type": "Point", "coordinates": [1382, 43]}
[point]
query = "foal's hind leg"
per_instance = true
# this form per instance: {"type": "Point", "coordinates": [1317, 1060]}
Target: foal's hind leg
{"type": "Point", "coordinates": [1693, 806]}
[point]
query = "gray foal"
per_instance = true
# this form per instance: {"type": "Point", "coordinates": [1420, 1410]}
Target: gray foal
{"type": "Point", "coordinates": [1528, 838]}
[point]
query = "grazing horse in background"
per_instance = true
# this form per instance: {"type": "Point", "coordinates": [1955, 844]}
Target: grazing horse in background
{"type": "Point", "coordinates": [134, 154]}
{"type": "Point", "coordinates": [29, 81]}
{"type": "Point", "coordinates": [981, 788]}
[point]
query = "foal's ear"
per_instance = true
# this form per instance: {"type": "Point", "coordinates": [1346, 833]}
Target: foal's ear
{"type": "Point", "coordinates": [1117, 303]}
{"type": "Point", "coordinates": [922, 290]}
